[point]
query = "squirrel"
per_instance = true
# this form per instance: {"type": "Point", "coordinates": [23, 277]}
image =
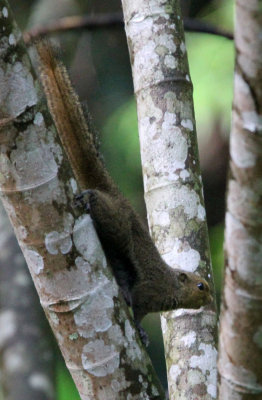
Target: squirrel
{"type": "Point", "coordinates": [148, 284]}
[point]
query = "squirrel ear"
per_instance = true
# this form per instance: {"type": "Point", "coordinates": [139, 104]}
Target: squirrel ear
{"type": "Point", "coordinates": [183, 277]}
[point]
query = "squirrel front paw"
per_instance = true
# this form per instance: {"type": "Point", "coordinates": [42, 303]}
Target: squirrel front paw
{"type": "Point", "coordinates": [82, 200]}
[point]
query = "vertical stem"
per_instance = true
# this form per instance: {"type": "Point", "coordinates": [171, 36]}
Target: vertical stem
{"type": "Point", "coordinates": [240, 343]}
{"type": "Point", "coordinates": [172, 182]}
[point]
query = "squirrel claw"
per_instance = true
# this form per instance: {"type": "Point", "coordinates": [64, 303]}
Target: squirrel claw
{"type": "Point", "coordinates": [79, 201]}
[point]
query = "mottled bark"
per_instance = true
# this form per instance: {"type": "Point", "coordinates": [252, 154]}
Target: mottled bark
{"type": "Point", "coordinates": [26, 350]}
{"type": "Point", "coordinates": [240, 343]}
{"type": "Point", "coordinates": [172, 182]}
{"type": "Point", "coordinates": [66, 261]}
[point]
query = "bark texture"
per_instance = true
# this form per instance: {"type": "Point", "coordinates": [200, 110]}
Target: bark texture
{"type": "Point", "coordinates": [66, 261]}
{"type": "Point", "coordinates": [26, 349]}
{"type": "Point", "coordinates": [172, 182]}
{"type": "Point", "coordinates": [240, 355]}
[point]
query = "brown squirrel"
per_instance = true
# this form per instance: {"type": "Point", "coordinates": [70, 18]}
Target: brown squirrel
{"type": "Point", "coordinates": [147, 282]}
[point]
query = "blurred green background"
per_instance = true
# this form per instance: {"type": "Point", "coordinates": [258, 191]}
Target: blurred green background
{"type": "Point", "coordinates": [99, 66]}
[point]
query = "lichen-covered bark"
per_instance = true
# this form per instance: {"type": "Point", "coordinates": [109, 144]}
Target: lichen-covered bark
{"type": "Point", "coordinates": [240, 343]}
{"type": "Point", "coordinates": [172, 182]}
{"type": "Point", "coordinates": [26, 350]}
{"type": "Point", "coordinates": [66, 261]}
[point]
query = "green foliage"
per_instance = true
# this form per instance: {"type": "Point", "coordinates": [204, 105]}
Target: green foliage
{"type": "Point", "coordinates": [216, 236]}
{"type": "Point", "coordinates": [65, 386]}
{"type": "Point", "coordinates": [211, 68]}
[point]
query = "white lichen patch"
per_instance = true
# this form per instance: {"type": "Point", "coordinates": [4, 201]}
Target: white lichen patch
{"type": "Point", "coordinates": [206, 363]}
{"type": "Point", "coordinates": [21, 232]}
{"type": "Point", "coordinates": [54, 318]}
{"type": "Point", "coordinates": [245, 251]}
{"type": "Point", "coordinates": [100, 359]}
{"type": "Point", "coordinates": [166, 151]}
{"type": "Point", "coordinates": [257, 338]}
{"type": "Point", "coordinates": [183, 47]}
{"type": "Point", "coordinates": [12, 40]}
{"type": "Point", "coordinates": [182, 256]}
{"type": "Point", "coordinates": [241, 85]}
{"type": "Point", "coordinates": [148, 53]}
{"type": "Point", "coordinates": [170, 61]}
{"type": "Point", "coordinates": [39, 119]}
{"type": "Point", "coordinates": [20, 92]}
{"type": "Point", "coordinates": [34, 260]}
{"type": "Point", "coordinates": [115, 334]}
{"type": "Point", "coordinates": [73, 285]}
{"type": "Point", "coordinates": [86, 241]}
{"type": "Point", "coordinates": [33, 165]}
{"type": "Point", "coordinates": [60, 242]}
{"type": "Point", "coordinates": [133, 350]}
{"type": "Point", "coordinates": [201, 213]}
{"type": "Point", "coordinates": [149, 117]}
{"type": "Point", "coordinates": [195, 377]}
{"type": "Point", "coordinates": [188, 124]}
{"type": "Point", "coordinates": [73, 336]}
{"type": "Point", "coordinates": [252, 121]}
{"type": "Point", "coordinates": [42, 383]}
{"type": "Point", "coordinates": [120, 383]}
{"type": "Point", "coordinates": [174, 372]}
{"type": "Point", "coordinates": [8, 326]}
{"type": "Point", "coordinates": [161, 218]}
{"type": "Point", "coordinates": [184, 174]}
{"type": "Point", "coordinates": [5, 12]}
{"type": "Point", "coordinates": [73, 185]}
{"type": "Point", "coordinates": [129, 331]}
{"type": "Point", "coordinates": [241, 154]}
{"type": "Point", "coordinates": [94, 315]}
{"type": "Point", "coordinates": [189, 338]}
{"type": "Point", "coordinates": [164, 325]}
{"type": "Point", "coordinates": [56, 242]}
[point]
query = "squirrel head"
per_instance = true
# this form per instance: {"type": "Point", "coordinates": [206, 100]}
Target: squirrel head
{"type": "Point", "coordinates": [194, 291]}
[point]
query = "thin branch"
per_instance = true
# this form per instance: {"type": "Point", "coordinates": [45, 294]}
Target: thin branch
{"type": "Point", "coordinates": [112, 20]}
{"type": "Point", "coordinates": [196, 25]}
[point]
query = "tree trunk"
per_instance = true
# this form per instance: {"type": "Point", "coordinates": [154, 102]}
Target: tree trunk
{"type": "Point", "coordinates": [172, 182]}
{"type": "Point", "coordinates": [60, 245]}
{"type": "Point", "coordinates": [240, 343]}
{"type": "Point", "coordinates": [26, 345]}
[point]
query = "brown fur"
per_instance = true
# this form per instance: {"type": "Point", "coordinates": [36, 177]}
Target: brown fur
{"type": "Point", "coordinates": [147, 282]}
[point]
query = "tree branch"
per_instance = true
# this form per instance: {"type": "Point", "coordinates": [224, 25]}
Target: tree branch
{"type": "Point", "coordinates": [109, 21]}
{"type": "Point", "coordinates": [172, 182]}
{"type": "Point", "coordinates": [77, 291]}
{"type": "Point", "coordinates": [240, 348]}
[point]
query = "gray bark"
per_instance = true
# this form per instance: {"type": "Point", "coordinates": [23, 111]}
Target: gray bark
{"type": "Point", "coordinates": [240, 342]}
{"type": "Point", "coordinates": [76, 289]}
{"type": "Point", "coordinates": [172, 182]}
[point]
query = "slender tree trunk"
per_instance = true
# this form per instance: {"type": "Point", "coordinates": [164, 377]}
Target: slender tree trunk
{"type": "Point", "coordinates": [172, 181]}
{"type": "Point", "coordinates": [66, 261]}
{"type": "Point", "coordinates": [240, 354]}
{"type": "Point", "coordinates": [26, 346]}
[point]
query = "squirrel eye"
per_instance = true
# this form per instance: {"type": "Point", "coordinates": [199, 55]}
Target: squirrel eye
{"type": "Point", "coordinates": [200, 286]}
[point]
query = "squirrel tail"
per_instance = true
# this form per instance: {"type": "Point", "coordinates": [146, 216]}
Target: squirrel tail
{"type": "Point", "coordinates": [73, 129]}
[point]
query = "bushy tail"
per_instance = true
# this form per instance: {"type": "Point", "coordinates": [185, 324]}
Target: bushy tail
{"type": "Point", "coordinates": [73, 129]}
